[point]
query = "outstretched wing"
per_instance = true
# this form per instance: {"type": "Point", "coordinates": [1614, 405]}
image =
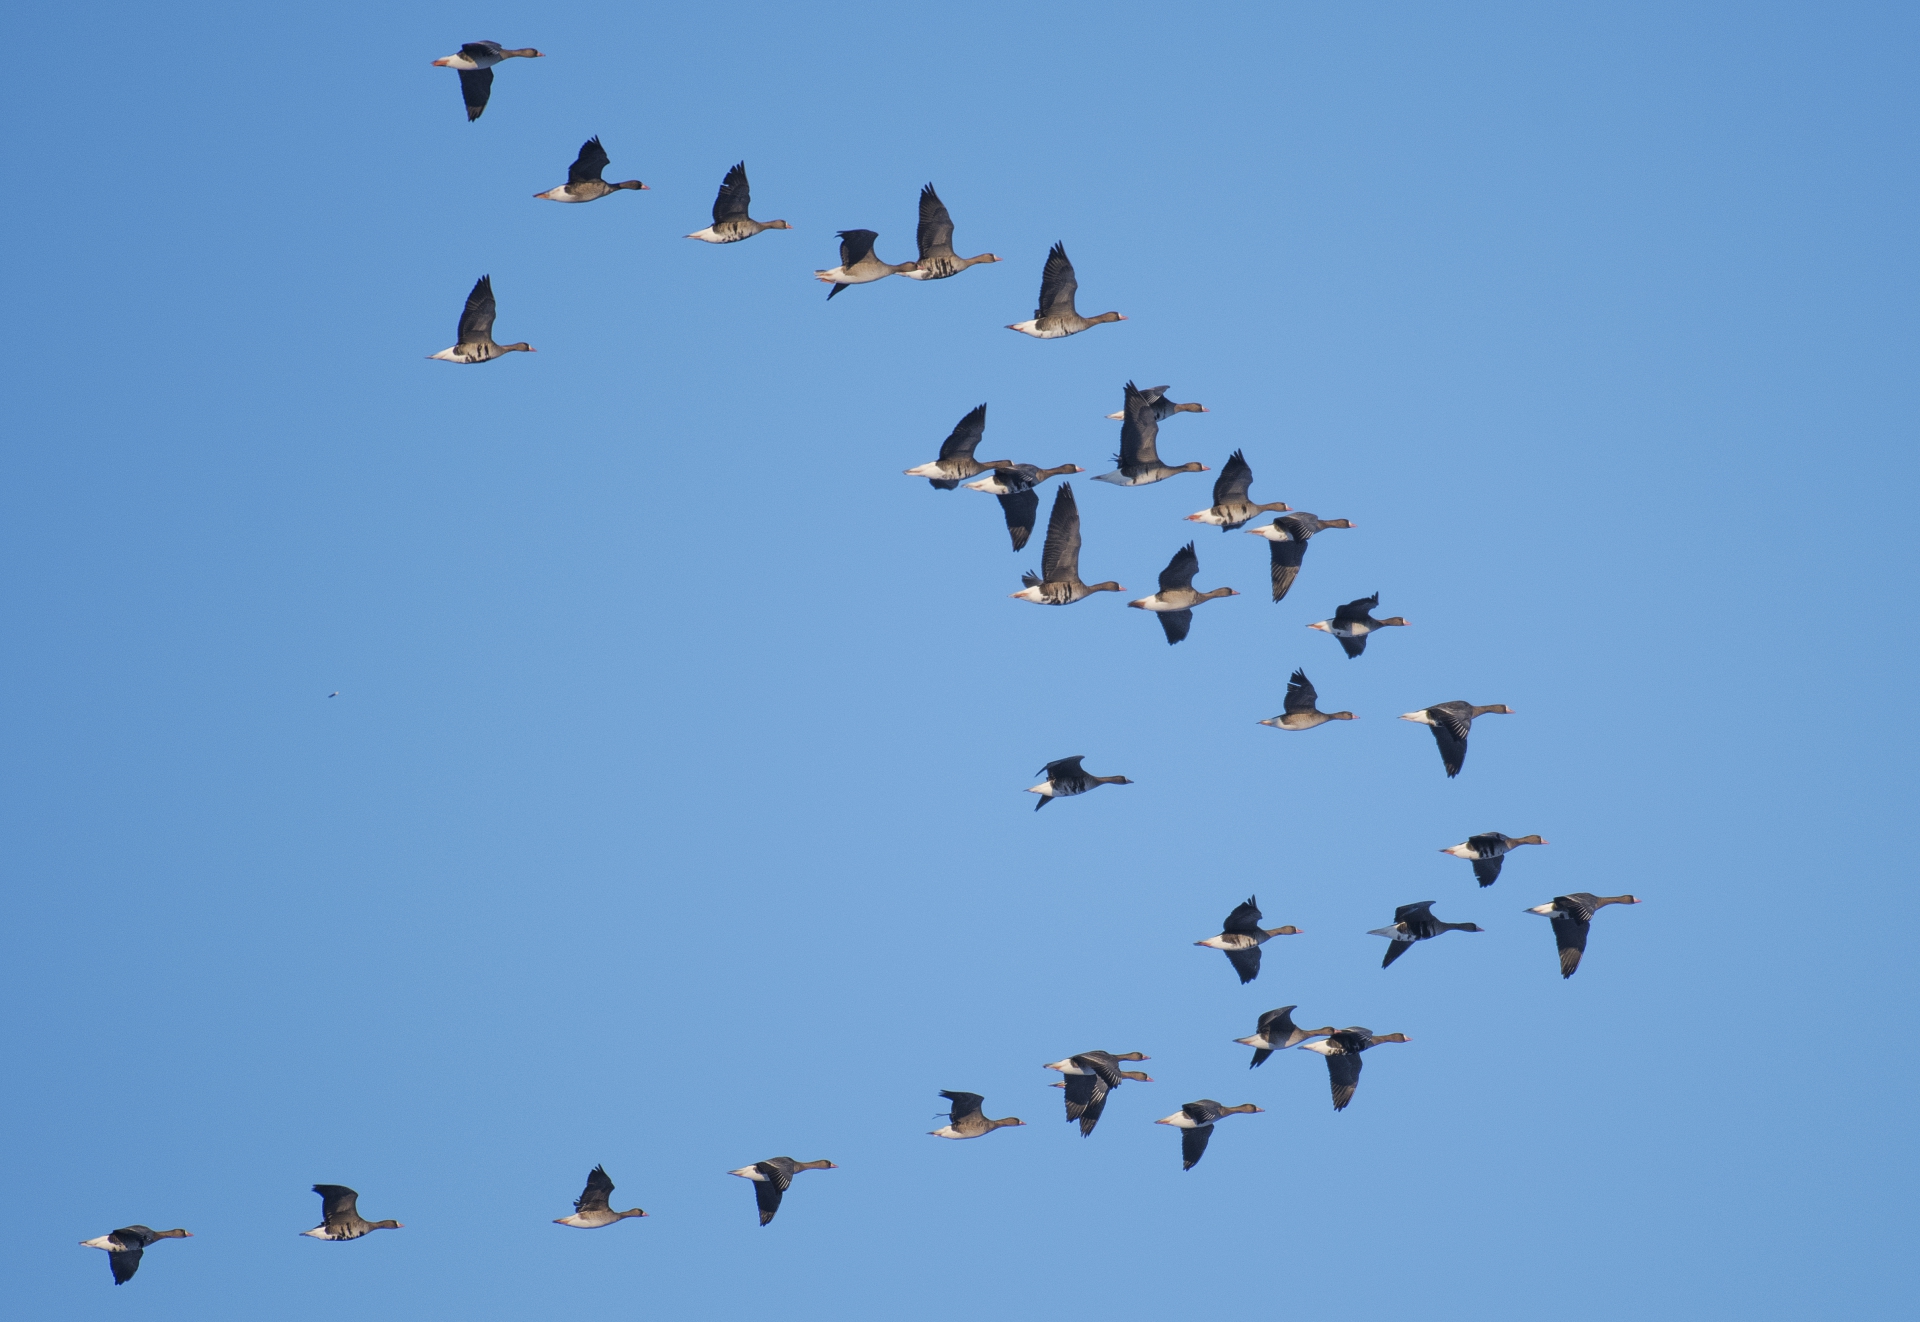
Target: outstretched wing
{"type": "Point", "coordinates": [1414, 913]}
{"type": "Point", "coordinates": [1395, 949]}
{"type": "Point", "coordinates": [476, 318]}
{"type": "Point", "coordinates": [1082, 1090]}
{"type": "Point", "coordinates": [1244, 920]}
{"type": "Point", "coordinates": [1060, 557]}
{"type": "Point", "coordinates": [1343, 1071]}
{"type": "Point", "coordinates": [125, 1262]}
{"type": "Point", "coordinates": [589, 163]}
{"type": "Point", "coordinates": [1022, 508]}
{"type": "Point", "coordinates": [936, 226]}
{"type": "Point", "coordinates": [1139, 431]}
{"type": "Point", "coordinates": [1234, 480]}
{"type": "Point", "coordinates": [1246, 962]}
{"type": "Point", "coordinates": [965, 1104]}
{"type": "Point", "coordinates": [1356, 610]}
{"type": "Point", "coordinates": [337, 1201]}
{"type": "Point", "coordinates": [965, 435]}
{"type": "Point", "coordinates": [855, 247]}
{"type": "Point", "coordinates": [1062, 768]}
{"type": "Point", "coordinates": [1570, 934]}
{"type": "Point", "coordinates": [1300, 694]}
{"type": "Point", "coordinates": [1352, 646]}
{"type": "Point", "coordinates": [1486, 870]}
{"type": "Point", "coordinates": [1193, 1142]}
{"type": "Point", "coordinates": [476, 85]}
{"type": "Point", "coordinates": [1178, 575]}
{"type": "Point", "coordinates": [1057, 284]}
{"type": "Point", "coordinates": [1287, 557]}
{"type": "Point", "coordinates": [1450, 733]}
{"type": "Point", "coordinates": [732, 201]}
{"type": "Point", "coordinates": [767, 1195]}
{"type": "Point", "coordinates": [599, 1189]}
{"type": "Point", "coordinates": [1175, 624]}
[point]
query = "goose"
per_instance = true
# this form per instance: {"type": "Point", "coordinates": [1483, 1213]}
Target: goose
{"type": "Point", "coordinates": [1415, 922]}
{"type": "Point", "coordinates": [1231, 508]}
{"type": "Point", "coordinates": [1090, 1076]}
{"type": "Point", "coordinates": [1276, 1031]}
{"type": "Point", "coordinates": [584, 183]}
{"type": "Point", "coordinates": [1064, 779]}
{"type": "Point", "coordinates": [1572, 915]}
{"type": "Point", "coordinates": [1488, 851]}
{"type": "Point", "coordinates": [1058, 582]}
{"type": "Point", "coordinates": [340, 1215]}
{"type": "Point", "coordinates": [935, 237]}
{"type": "Point", "coordinates": [1287, 545]}
{"type": "Point", "coordinates": [1450, 723]}
{"type": "Point", "coordinates": [591, 1210]}
{"type": "Point", "coordinates": [771, 1178]}
{"type": "Point", "coordinates": [475, 344]}
{"type": "Point", "coordinates": [966, 1120]}
{"type": "Point", "coordinates": [1302, 711]}
{"type": "Point", "coordinates": [858, 265]}
{"type": "Point", "coordinates": [125, 1245]}
{"type": "Point", "coordinates": [1241, 937]}
{"type": "Point", "coordinates": [474, 61]}
{"type": "Point", "coordinates": [956, 459]}
{"type": "Point", "coordinates": [1342, 1050]}
{"type": "Point", "coordinates": [1139, 457]}
{"type": "Point", "coordinates": [1056, 317]}
{"type": "Point", "coordinates": [1163, 408]}
{"type": "Point", "coordinates": [1175, 600]}
{"type": "Point", "coordinates": [1352, 623]}
{"type": "Point", "coordinates": [1014, 484]}
{"type": "Point", "coordinates": [731, 223]}
{"type": "Point", "coordinates": [1195, 1120]}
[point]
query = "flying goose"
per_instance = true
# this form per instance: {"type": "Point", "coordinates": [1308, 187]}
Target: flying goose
{"type": "Point", "coordinates": [1014, 484]}
{"type": "Point", "coordinates": [1572, 915]}
{"type": "Point", "coordinates": [340, 1216]}
{"type": "Point", "coordinates": [1415, 922]}
{"type": "Point", "coordinates": [1450, 723]}
{"type": "Point", "coordinates": [1231, 508]}
{"type": "Point", "coordinates": [1195, 1120]}
{"type": "Point", "coordinates": [956, 459]}
{"type": "Point", "coordinates": [1241, 937]}
{"type": "Point", "coordinates": [1488, 850]}
{"type": "Point", "coordinates": [590, 1209]}
{"type": "Point", "coordinates": [771, 1178]}
{"type": "Point", "coordinates": [584, 183]}
{"type": "Point", "coordinates": [1287, 545]}
{"type": "Point", "coordinates": [1090, 1076]}
{"type": "Point", "coordinates": [1056, 317]}
{"type": "Point", "coordinates": [1342, 1050]}
{"type": "Point", "coordinates": [1301, 711]}
{"type": "Point", "coordinates": [1064, 779]}
{"type": "Point", "coordinates": [1139, 457]}
{"type": "Point", "coordinates": [966, 1120]}
{"type": "Point", "coordinates": [1163, 408]}
{"type": "Point", "coordinates": [858, 265]}
{"type": "Point", "coordinates": [474, 61]}
{"type": "Point", "coordinates": [731, 223]}
{"type": "Point", "coordinates": [1276, 1031]}
{"type": "Point", "coordinates": [125, 1245]}
{"type": "Point", "coordinates": [935, 237]}
{"type": "Point", "coordinates": [475, 344]}
{"type": "Point", "coordinates": [1175, 600]}
{"type": "Point", "coordinates": [1058, 582]}
{"type": "Point", "coordinates": [1352, 623]}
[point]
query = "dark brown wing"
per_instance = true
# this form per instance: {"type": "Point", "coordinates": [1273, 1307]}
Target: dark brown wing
{"type": "Point", "coordinates": [476, 318]}
{"type": "Point", "coordinates": [935, 234]}
{"type": "Point", "coordinates": [964, 1104]}
{"type": "Point", "coordinates": [1139, 431]}
{"type": "Point", "coordinates": [1343, 1071]}
{"type": "Point", "coordinates": [125, 1262]}
{"type": "Point", "coordinates": [1451, 736]}
{"type": "Point", "coordinates": [1193, 1143]}
{"type": "Point", "coordinates": [1022, 508]}
{"type": "Point", "coordinates": [1300, 694]}
{"type": "Point", "coordinates": [1287, 557]}
{"type": "Point", "coordinates": [1352, 646]}
{"type": "Point", "coordinates": [855, 246]}
{"type": "Point", "coordinates": [1236, 477]}
{"type": "Point", "coordinates": [1570, 934]}
{"type": "Point", "coordinates": [337, 1202]}
{"type": "Point", "coordinates": [1246, 962]}
{"type": "Point", "coordinates": [767, 1195]}
{"type": "Point", "coordinates": [599, 1189]}
{"type": "Point", "coordinates": [1057, 285]}
{"type": "Point", "coordinates": [1180, 570]}
{"type": "Point", "coordinates": [1487, 870]}
{"type": "Point", "coordinates": [1060, 557]}
{"type": "Point", "coordinates": [733, 198]}
{"type": "Point", "coordinates": [965, 435]}
{"type": "Point", "coordinates": [589, 163]}
{"type": "Point", "coordinates": [476, 85]}
{"type": "Point", "coordinates": [1175, 624]}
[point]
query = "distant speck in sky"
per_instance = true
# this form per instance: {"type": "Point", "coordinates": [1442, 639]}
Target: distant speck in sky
{"type": "Point", "coordinates": [334, 694]}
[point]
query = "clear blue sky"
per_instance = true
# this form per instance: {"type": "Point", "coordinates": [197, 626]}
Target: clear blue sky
{"type": "Point", "coordinates": [670, 813]}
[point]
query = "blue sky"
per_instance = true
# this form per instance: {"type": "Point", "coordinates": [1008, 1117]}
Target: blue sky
{"type": "Point", "coordinates": [670, 813]}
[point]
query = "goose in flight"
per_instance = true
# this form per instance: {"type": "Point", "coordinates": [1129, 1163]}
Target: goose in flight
{"type": "Point", "coordinates": [584, 183]}
{"type": "Point", "coordinates": [1064, 779]}
{"type": "Point", "coordinates": [126, 1245]}
{"type": "Point", "coordinates": [1287, 545]}
{"type": "Point", "coordinates": [1276, 1031]}
{"type": "Point", "coordinates": [1020, 504]}
{"type": "Point", "coordinates": [591, 1210]}
{"type": "Point", "coordinates": [1056, 317]}
{"type": "Point", "coordinates": [1415, 922]}
{"type": "Point", "coordinates": [1488, 850]}
{"type": "Point", "coordinates": [1353, 622]}
{"type": "Point", "coordinates": [1139, 457]}
{"type": "Point", "coordinates": [956, 461]}
{"type": "Point", "coordinates": [1241, 937]}
{"type": "Point", "coordinates": [1196, 1120]}
{"type": "Point", "coordinates": [965, 1118]}
{"type": "Point", "coordinates": [1231, 508]}
{"type": "Point", "coordinates": [858, 265]}
{"type": "Point", "coordinates": [474, 62]}
{"type": "Point", "coordinates": [1058, 582]}
{"type": "Point", "coordinates": [475, 343]}
{"type": "Point", "coordinates": [937, 260]}
{"type": "Point", "coordinates": [1163, 408]}
{"type": "Point", "coordinates": [1342, 1050]}
{"type": "Point", "coordinates": [1175, 600]}
{"type": "Point", "coordinates": [731, 223]}
{"type": "Point", "coordinates": [1090, 1076]}
{"type": "Point", "coordinates": [1451, 722]}
{"type": "Point", "coordinates": [1572, 915]}
{"type": "Point", "coordinates": [771, 1178]}
{"type": "Point", "coordinates": [1302, 711]}
{"type": "Point", "coordinates": [340, 1215]}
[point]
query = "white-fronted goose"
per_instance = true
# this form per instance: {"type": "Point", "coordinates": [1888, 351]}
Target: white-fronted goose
{"type": "Point", "coordinates": [1450, 723]}
{"type": "Point", "coordinates": [1139, 457]}
{"type": "Point", "coordinates": [1056, 317]}
{"type": "Point", "coordinates": [1488, 850]}
{"type": "Point", "coordinates": [1342, 1050]}
{"type": "Point", "coordinates": [1163, 408]}
{"type": "Point", "coordinates": [965, 1119]}
{"type": "Point", "coordinates": [1058, 582]}
{"type": "Point", "coordinates": [591, 1210]}
{"type": "Point", "coordinates": [1572, 915]}
{"type": "Point", "coordinates": [1353, 622]}
{"type": "Point", "coordinates": [1064, 779]}
{"type": "Point", "coordinates": [474, 61]}
{"type": "Point", "coordinates": [1415, 922]}
{"type": "Point", "coordinates": [1090, 1076]}
{"type": "Point", "coordinates": [1175, 600]}
{"type": "Point", "coordinates": [937, 260]}
{"type": "Point", "coordinates": [584, 183]}
{"type": "Point", "coordinates": [1287, 545]}
{"type": "Point", "coordinates": [731, 223]}
{"type": "Point", "coordinates": [475, 344]}
{"type": "Point", "coordinates": [1195, 1121]}
{"type": "Point", "coordinates": [1302, 711]}
{"type": "Point", "coordinates": [1241, 937]}
{"type": "Point", "coordinates": [1231, 508]}
{"type": "Point", "coordinates": [858, 265]}
{"type": "Point", "coordinates": [771, 1178]}
{"type": "Point", "coordinates": [1276, 1031]}
{"type": "Point", "coordinates": [1014, 484]}
{"type": "Point", "coordinates": [340, 1215]}
{"type": "Point", "coordinates": [125, 1245]}
{"type": "Point", "coordinates": [956, 461]}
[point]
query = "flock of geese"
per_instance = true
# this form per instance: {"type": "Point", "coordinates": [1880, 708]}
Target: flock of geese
{"type": "Point", "coordinates": [1090, 1077]}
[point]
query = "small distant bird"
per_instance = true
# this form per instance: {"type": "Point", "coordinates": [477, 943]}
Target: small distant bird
{"type": "Point", "coordinates": [125, 1245]}
{"type": "Point", "coordinates": [474, 61]}
{"type": "Point", "coordinates": [1090, 1076]}
{"type": "Point", "coordinates": [1450, 723]}
{"type": "Point", "coordinates": [1276, 1031]}
{"type": "Point", "coordinates": [1064, 779]}
{"type": "Point", "coordinates": [1139, 457]}
{"type": "Point", "coordinates": [334, 694]}
{"type": "Point", "coordinates": [771, 1178]}
{"type": "Point", "coordinates": [1415, 922]}
{"type": "Point", "coordinates": [475, 343]}
{"type": "Point", "coordinates": [937, 260]}
{"type": "Point", "coordinates": [1175, 600]}
{"type": "Point", "coordinates": [858, 265]}
{"type": "Point", "coordinates": [591, 1210]}
{"type": "Point", "coordinates": [1231, 508]}
{"type": "Point", "coordinates": [1195, 1120]}
{"type": "Point", "coordinates": [1241, 937]}
{"type": "Point", "coordinates": [1058, 582]}
{"type": "Point", "coordinates": [1352, 623]}
{"type": "Point", "coordinates": [1287, 545]}
{"type": "Point", "coordinates": [1302, 711]}
{"type": "Point", "coordinates": [1019, 503]}
{"type": "Point", "coordinates": [584, 183]}
{"type": "Point", "coordinates": [731, 223]}
{"type": "Point", "coordinates": [1572, 915]}
{"type": "Point", "coordinates": [1056, 317]}
{"type": "Point", "coordinates": [1487, 851]}
{"type": "Point", "coordinates": [340, 1215]}
{"type": "Point", "coordinates": [956, 459]}
{"type": "Point", "coordinates": [1163, 408]}
{"type": "Point", "coordinates": [1342, 1050]}
{"type": "Point", "coordinates": [966, 1120]}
